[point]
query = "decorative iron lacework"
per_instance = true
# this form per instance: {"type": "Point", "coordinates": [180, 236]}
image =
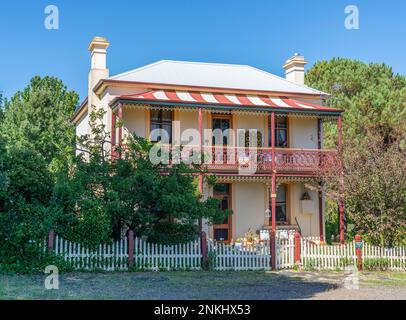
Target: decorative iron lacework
{"type": "Point", "coordinates": [236, 112]}
{"type": "Point", "coordinates": [263, 179]}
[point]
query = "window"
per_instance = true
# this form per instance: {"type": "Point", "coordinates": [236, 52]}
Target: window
{"type": "Point", "coordinates": [161, 122]}
{"type": "Point", "coordinates": [281, 132]}
{"type": "Point", "coordinates": [220, 133]}
{"type": "Point", "coordinates": [281, 213]}
{"type": "Point", "coordinates": [222, 232]}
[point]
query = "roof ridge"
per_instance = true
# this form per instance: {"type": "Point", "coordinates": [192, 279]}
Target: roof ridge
{"type": "Point", "coordinates": [175, 61]}
{"type": "Point", "coordinates": [285, 80]}
{"type": "Point", "coordinates": [137, 69]}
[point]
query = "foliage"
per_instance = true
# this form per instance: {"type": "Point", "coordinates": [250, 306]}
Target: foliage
{"type": "Point", "coordinates": [373, 97]}
{"type": "Point", "coordinates": [373, 150]}
{"type": "Point", "coordinates": [159, 201]}
{"type": "Point", "coordinates": [39, 117]}
{"type": "Point", "coordinates": [24, 215]}
{"type": "Point", "coordinates": [375, 189]}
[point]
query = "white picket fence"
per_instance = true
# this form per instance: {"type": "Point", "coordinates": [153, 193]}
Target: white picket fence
{"type": "Point", "coordinates": [188, 256]}
{"type": "Point", "coordinates": [107, 257]}
{"type": "Point", "coordinates": [239, 258]}
{"type": "Point", "coordinates": [285, 249]}
{"type": "Point", "coordinates": [330, 257]}
{"type": "Point", "coordinates": [387, 258]}
{"type": "Point", "coordinates": [151, 256]}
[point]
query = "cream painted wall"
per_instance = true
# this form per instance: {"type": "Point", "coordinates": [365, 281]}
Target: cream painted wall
{"type": "Point", "coordinates": [249, 207]}
{"type": "Point", "coordinates": [82, 127]}
{"type": "Point", "coordinates": [188, 120]}
{"type": "Point", "coordinates": [308, 222]}
{"type": "Point", "coordinates": [134, 121]}
{"type": "Point", "coordinates": [257, 122]}
{"type": "Point", "coordinates": [303, 133]}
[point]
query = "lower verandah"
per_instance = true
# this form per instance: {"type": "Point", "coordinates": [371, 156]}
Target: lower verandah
{"type": "Point", "coordinates": [297, 208]}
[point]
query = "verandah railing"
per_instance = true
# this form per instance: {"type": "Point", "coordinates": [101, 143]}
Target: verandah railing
{"type": "Point", "coordinates": [252, 158]}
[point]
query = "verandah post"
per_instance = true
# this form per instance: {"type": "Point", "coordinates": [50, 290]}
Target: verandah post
{"type": "Point", "coordinates": [200, 128]}
{"type": "Point", "coordinates": [113, 134]}
{"type": "Point", "coordinates": [203, 249]}
{"type": "Point", "coordinates": [320, 193]}
{"type": "Point", "coordinates": [51, 240]}
{"type": "Point", "coordinates": [273, 195]}
{"type": "Point", "coordinates": [341, 184]}
{"type": "Point", "coordinates": [130, 248]}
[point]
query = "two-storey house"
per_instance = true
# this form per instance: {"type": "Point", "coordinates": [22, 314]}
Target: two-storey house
{"type": "Point", "coordinates": [271, 141]}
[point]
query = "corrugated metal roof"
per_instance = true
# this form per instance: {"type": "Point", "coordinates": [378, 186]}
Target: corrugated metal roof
{"type": "Point", "coordinates": [214, 75]}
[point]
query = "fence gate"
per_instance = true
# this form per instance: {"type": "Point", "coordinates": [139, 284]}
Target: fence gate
{"type": "Point", "coordinates": [285, 249]}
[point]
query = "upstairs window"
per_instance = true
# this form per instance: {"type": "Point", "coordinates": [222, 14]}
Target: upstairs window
{"type": "Point", "coordinates": [161, 126]}
{"type": "Point", "coordinates": [281, 132]}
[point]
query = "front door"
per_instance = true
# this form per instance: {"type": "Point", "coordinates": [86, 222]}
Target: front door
{"type": "Point", "coordinates": [222, 232]}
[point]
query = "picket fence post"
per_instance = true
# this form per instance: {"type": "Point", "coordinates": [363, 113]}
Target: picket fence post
{"type": "Point", "coordinates": [297, 247]}
{"type": "Point", "coordinates": [358, 251]}
{"type": "Point", "coordinates": [203, 249]}
{"type": "Point", "coordinates": [272, 240]}
{"type": "Point", "coordinates": [51, 241]}
{"type": "Point", "coordinates": [130, 248]}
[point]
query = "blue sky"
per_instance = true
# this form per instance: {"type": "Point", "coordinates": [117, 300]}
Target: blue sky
{"type": "Point", "coordinates": [260, 33]}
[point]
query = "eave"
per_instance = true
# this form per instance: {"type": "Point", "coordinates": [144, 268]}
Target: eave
{"type": "Point", "coordinates": [79, 112]}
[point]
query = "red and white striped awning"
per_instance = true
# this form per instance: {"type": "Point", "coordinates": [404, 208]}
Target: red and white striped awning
{"type": "Point", "coordinates": [236, 100]}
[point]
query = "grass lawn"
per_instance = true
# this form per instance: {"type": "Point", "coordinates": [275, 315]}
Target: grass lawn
{"type": "Point", "coordinates": [187, 285]}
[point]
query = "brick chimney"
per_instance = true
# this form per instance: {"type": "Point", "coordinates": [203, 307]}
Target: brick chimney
{"type": "Point", "coordinates": [294, 69]}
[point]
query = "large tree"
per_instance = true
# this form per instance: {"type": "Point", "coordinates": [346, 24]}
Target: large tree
{"type": "Point", "coordinates": [39, 118]}
{"type": "Point", "coordinates": [372, 95]}
{"type": "Point", "coordinates": [374, 141]}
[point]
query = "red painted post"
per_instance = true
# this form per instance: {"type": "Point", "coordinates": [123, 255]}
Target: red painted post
{"type": "Point", "coordinates": [319, 146]}
{"type": "Point", "coordinates": [51, 240]}
{"type": "Point", "coordinates": [272, 242]}
{"type": "Point", "coordinates": [203, 249]}
{"type": "Point", "coordinates": [130, 248]}
{"type": "Point", "coordinates": [200, 128]}
{"type": "Point", "coordinates": [272, 234]}
{"type": "Point", "coordinates": [273, 140]}
{"type": "Point", "coordinates": [358, 251]}
{"type": "Point", "coordinates": [341, 183]}
{"type": "Point", "coordinates": [297, 247]}
{"type": "Point", "coordinates": [113, 134]}
{"type": "Point", "coordinates": [120, 128]}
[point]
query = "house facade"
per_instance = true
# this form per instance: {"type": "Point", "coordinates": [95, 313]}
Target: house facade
{"type": "Point", "coordinates": [261, 134]}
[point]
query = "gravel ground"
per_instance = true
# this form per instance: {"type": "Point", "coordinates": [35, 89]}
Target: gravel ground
{"type": "Point", "coordinates": [257, 285]}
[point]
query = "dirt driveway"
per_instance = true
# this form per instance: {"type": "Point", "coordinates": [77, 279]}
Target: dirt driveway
{"type": "Point", "coordinates": [209, 285]}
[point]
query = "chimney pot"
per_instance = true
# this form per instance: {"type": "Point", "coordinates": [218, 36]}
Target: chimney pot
{"type": "Point", "coordinates": [98, 48]}
{"type": "Point", "coordinates": [294, 69]}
